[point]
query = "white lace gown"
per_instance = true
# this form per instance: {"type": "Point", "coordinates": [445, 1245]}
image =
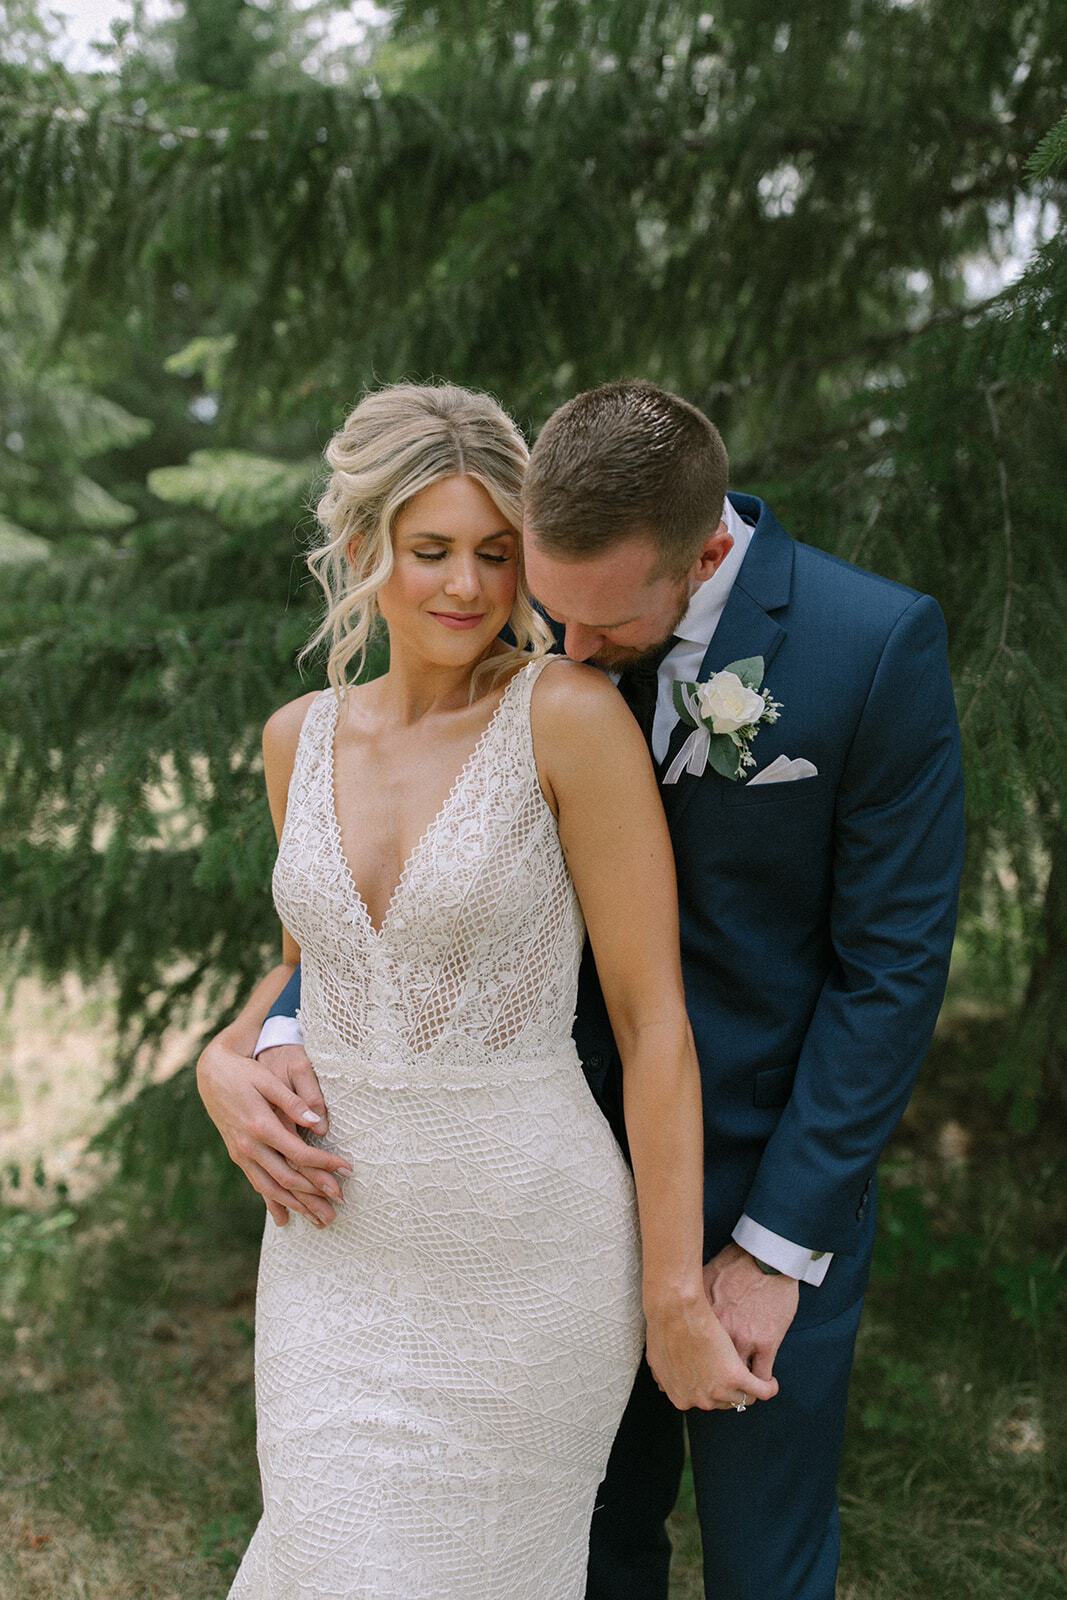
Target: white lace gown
{"type": "Point", "coordinates": [440, 1373]}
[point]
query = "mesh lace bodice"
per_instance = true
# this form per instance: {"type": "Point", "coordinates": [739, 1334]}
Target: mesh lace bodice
{"type": "Point", "coordinates": [457, 982]}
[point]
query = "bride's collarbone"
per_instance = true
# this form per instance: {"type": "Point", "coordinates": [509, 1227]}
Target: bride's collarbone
{"type": "Point", "coordinates": [391, 783]}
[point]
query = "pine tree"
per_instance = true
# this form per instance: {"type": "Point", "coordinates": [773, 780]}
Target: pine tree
{"type": "Point", "coordinates": [777, 211]}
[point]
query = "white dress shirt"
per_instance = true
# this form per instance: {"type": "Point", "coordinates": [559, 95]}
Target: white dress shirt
{"type": "Point", "coordinates": [694, 634]}
{"type": "Point", "coordinates": [694, 631]}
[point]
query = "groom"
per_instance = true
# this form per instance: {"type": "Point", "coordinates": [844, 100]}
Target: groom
{"type": "Point", "coordinates": [817, 914]}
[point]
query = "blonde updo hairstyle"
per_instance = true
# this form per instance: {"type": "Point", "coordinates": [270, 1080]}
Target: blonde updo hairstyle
{"type": "Point", "coordinates": [397, 442]}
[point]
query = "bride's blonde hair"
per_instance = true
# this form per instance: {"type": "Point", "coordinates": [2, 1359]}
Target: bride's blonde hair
{"type": "Point", "coordinates": [397, 442]}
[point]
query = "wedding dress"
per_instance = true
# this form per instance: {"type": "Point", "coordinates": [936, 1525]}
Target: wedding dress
{"type": "Point", "coordinates": [439, 1374]}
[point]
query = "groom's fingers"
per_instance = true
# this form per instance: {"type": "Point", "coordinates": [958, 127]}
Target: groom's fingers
{"type": "Point", "coordinates": [250, 1108]}
{"type": "Point", "coordinates": [273, 1132]}
{"type": "Point", "coordinates": [756, 1310]}
{"type": "Point", "coordinates": [281, 1198]}
{"type": "Point", "coordinates": [762, 1363]}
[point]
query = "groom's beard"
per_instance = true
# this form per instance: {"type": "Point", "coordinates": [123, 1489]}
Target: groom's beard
{"type": "Point", "coordinates": [614, 657]}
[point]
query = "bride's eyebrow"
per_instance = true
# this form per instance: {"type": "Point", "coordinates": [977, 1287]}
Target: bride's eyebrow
{"type": "Point", "coordinates": [447, 538]}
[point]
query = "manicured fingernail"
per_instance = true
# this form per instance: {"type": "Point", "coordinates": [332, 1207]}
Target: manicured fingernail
{"type": "Point", "coordinates": [309, 1119]}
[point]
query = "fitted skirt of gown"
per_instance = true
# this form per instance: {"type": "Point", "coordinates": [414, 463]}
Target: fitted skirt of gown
{"type": "Point", "coordinates": [440, 1373]}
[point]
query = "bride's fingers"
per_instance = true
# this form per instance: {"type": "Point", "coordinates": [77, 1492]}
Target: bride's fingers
{"type": "Point", "coordinates": [715, 1387]}
{"type": "Point", "coordinates": [279, 1094]}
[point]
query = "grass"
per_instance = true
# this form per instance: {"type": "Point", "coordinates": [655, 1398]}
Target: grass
{"type": "Point", "coordinates": [127, 1465]}
{"type": "Point", "coordinates": [126, 1426]}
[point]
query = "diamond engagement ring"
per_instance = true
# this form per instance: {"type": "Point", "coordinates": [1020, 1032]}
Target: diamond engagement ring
{"type": "Point", "coordinates": [743, 1405]}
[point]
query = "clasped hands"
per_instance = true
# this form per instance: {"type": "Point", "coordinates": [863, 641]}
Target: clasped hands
{"type": "Point", "coordinates": [714, 1351]}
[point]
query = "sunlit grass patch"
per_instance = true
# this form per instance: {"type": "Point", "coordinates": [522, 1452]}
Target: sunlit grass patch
{"type": "Point", "coordinates": [126, 1426]}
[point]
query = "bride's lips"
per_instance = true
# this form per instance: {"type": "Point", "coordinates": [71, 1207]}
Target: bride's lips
{"type": "Point", "coordinates": [459, 619]}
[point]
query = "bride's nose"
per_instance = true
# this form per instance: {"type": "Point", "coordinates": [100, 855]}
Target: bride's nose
{"type": "Point", "coordinates": [463, 578]}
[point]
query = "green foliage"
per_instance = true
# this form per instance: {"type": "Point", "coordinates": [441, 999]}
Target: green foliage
{"type": "Point", "coordinates": [242, 490]}
{"type": "Point", "coordinates": [151, 666]}
{"type": "Point", "coordinates": [24, 1233]}
{"type": "Point", "coordinates": [52, 423]}
{"type": "Point", "coordinates": [1051, 153]}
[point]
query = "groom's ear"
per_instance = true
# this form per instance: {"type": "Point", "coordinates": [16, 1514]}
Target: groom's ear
{"type": "Point", "coordinates": [717, 547]}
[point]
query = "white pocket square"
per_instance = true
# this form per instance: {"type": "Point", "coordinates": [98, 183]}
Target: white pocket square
{"type": "Point", "coordinates": [782, 770]}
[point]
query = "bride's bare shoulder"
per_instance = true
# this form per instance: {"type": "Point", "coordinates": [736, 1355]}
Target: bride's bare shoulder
{"type": "Point", "coordinates": [569, 694]}
{"type": "Point", "coordinates": [282, 730]}
{"type": "Point", "coordinates": [583, 731]}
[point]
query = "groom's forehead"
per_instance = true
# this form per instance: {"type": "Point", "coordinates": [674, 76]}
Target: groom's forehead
{"type": "Point", "coordinates": [603, 591]}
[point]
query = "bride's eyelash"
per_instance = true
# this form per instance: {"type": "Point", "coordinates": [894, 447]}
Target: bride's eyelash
{"type": "Point", "coordinates": [439, 555]}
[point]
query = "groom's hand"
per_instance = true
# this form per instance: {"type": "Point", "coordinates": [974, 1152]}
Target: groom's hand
{"type": "Point", "coordinates": [755, 1309]}
{"type": "Point", "coordinates": [258, 1110]}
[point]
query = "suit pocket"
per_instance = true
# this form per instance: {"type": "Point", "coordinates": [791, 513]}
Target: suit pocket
{"type": "Point", "coordinates": [774, 1086]}
{"type": "Point", "coordinates": [799, 793]}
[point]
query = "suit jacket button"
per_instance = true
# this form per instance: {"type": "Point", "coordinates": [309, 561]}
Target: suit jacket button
{"type": "Point", "coordinates": [595, 1062]}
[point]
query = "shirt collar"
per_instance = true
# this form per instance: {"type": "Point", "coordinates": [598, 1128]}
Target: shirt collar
{"type": "Point", "coordinates": [709, 601]}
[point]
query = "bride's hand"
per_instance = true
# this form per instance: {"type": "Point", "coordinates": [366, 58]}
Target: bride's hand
{"type": "Point", "coordinates": [694, 1361]}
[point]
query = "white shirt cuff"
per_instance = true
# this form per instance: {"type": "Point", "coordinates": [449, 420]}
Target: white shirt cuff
{"type": "Point", "coordinates": [278, 1030]}
{"type": "Point", "coordinates": [794, 1260]}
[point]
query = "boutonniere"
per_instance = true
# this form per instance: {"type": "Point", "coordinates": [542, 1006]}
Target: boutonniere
{"type": "Point", "coordinates": [725, 714]}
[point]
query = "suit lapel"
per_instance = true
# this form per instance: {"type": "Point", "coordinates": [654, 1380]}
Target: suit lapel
{"type": "Point", "coordinates": [747, 626]}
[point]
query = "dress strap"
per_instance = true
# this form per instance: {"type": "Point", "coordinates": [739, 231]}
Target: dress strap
{"type": "Point", "coordinates": [521, 687]}
{"type": "Point", "coordinates": [316, 734]}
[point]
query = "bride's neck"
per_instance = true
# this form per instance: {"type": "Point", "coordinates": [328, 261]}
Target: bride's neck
{"type": "Point", "coordinates": [410, 690]}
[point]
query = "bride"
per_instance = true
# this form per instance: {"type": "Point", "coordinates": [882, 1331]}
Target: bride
{"type": "Point", "coordinates": [439, 1374]}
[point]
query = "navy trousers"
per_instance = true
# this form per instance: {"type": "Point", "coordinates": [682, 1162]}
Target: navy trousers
{"type": "Point", "coordinates": [765, 1480]}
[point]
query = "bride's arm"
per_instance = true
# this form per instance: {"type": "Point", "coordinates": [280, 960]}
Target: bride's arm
{"type": "Point", "coordinates": [596, 774]}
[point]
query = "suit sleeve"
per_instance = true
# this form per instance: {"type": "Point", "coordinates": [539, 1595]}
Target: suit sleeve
{"type": "Point", "coordinates": [288, 1002]}
{"type": "Point", "coordinates": [897, 857]}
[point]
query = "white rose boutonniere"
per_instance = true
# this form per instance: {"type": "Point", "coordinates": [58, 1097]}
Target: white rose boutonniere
{"type": "Point", "coordinates": [725, 714]}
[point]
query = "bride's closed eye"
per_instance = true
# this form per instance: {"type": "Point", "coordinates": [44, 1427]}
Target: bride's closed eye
{"type": "Point", "coordinates": [439, 555]}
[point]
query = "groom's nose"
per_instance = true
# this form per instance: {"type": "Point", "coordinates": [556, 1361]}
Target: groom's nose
{"type": "Point", "coordinates": [580, 642]}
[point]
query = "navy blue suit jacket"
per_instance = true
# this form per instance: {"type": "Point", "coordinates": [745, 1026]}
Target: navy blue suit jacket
{"type": "Point", "coordinates": [816, 915]}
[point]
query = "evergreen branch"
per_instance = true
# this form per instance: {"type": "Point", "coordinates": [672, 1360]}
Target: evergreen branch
{"type": "Point", "coordinates": [1051, 153]}
{"type": "Point", "coordinates": [79, 117]}
{"type": "Point", "coordinates": [1006, 528]}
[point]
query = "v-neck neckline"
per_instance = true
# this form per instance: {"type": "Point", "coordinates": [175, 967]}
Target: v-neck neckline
{"type": "Point", "coordinates": [378, 933]}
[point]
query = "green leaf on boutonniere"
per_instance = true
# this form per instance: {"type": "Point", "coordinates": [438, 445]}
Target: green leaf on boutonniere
{"type": "Point", "coordinates": [723, 754]}
{"type": "Point", "coordinates": [750, 671]}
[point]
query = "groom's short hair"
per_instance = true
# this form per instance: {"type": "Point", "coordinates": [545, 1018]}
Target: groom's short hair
{"type": "Point", "coordinates": [626, 459]}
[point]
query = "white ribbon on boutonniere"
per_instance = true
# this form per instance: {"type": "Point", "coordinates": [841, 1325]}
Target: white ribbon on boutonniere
{"type": "Point", "coordinates": [725, 714]}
